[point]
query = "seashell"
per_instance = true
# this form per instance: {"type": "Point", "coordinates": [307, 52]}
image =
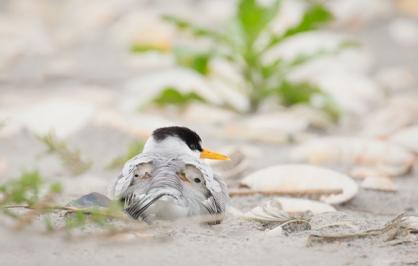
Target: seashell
{"type": "Point", "coordinates": [141, 125]}
{"type": "Point", "coordinates": [292, 226]}
{"type": "Point", "coordinates": [387, 158]}
{"type": "Point", "coordinates": [292, 214]}
{"type": "Point", "coordinates": [212, 115]}
{"type": "Point", "coordinates": [302, 179]}
{"type": "Point", "coordinates": [295, 206]}
{"type": "Point", "coordinates": [361, 172]}
{"type": "Point", "coordinates": [271, 211]}
{"type": "Point", "coordinates": [408, 7]}
{"type": "Point", "coordinates": [407, 137]}
{"type": "Point", "coordinates": [240, 161]}
{"type": "Point", "coordinates": [398, 113]}
{"type": "Point", "coordinates": [379, 183]}
{"type": "Point", "coordinates": [273, 127]}
{"type": "Point", "coordinates": [396, 78]}
{"type": "Point", "coordinates": [404, 31]}
{"type": "Point", "coordinates": [410, 223]}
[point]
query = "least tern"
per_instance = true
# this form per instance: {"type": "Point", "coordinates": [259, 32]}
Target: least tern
{"type": "Point", "coordinates": [169, 179]}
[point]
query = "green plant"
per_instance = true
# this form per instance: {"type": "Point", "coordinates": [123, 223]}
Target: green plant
{"type": "Point", "coordinates": [32, 193]}
{"type": "Point", "coordinates": [26, 191]}
{"type": "Point", "coordinates": [245, 44]}
{"type": "Point", "coordinates": [134, 148]}
{"type": "Point", "coordinates": [70, 158]}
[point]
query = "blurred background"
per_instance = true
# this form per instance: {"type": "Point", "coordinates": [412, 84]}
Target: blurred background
{"type": "Point", "coordinates": [83, 83]}
{"type": "Point", "coordinates": [331, 83]}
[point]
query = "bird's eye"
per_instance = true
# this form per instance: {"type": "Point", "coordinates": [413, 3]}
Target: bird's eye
{"type": "Point", "coordinates": [191, 174]}
{"type": "Point", "coordinates": [193, 147]}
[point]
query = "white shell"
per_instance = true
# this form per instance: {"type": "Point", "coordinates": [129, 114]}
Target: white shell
{"type": "Point", "coordinates": [398, 113]}
{"type": "Point", "coordinates": [379, 183]}
{"type": "Point", "coordinates": [240, 155]}
{"type": "Point", "coordinates": [282, 209]}
{"type": "Point", "coordinates": [407, 137]}
{"type": "Point", "coordinates": [138, 125]}
{"type": "Point", "coordinates": [299, 206]}
{"type": "Point", "coordinates": [212, 115]}
{"type": "Point", "coordinates": [275, 127]}
{"type": "Point", "coordinates": [302, 178]}
{"type": "Point", "coordinates": [410, 222]}
{"type": "Point", "coordinates": [271, 211]}
{"type": "Point", "coordinates": [387, 158]}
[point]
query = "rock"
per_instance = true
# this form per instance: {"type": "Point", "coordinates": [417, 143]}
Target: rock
{"type": "Point", "coordinates": [93, 199]}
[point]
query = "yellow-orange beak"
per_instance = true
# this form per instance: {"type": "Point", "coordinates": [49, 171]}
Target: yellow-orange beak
{"type": "Point", "coordinates": [206, 154]}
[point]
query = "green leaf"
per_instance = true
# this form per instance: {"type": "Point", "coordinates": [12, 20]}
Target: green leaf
{"type": "Point", "coordinates": [23, 190]}
{"type": "Point", "coordinates": [315, 16]}
{"type": "Point", "coordinates": [171, 96]}
{"type": "Point", "coordinates": [195, 60]}
{"type": "Point", "coordinates": [292, 93]}
{"type": "Point", "coordinates": [75, 220]}
{"type": "Point", "coordinates": [55, 187]}
{"type": "Point", "coordinates": [144, 48]}
{"type": "Point", "coordinates": [304, 58]}
{"type": "Point", "coordinates": [255, 18]}
{"type": "Point", "coordinates": [196, 30]}
{"type": "Point", "coordinates": [295, 93]}
{"type": "Point", "coordinates": [134, 148]}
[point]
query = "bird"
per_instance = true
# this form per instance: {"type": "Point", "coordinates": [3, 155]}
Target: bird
{"type": "Point", "coordinates": [169, 180]}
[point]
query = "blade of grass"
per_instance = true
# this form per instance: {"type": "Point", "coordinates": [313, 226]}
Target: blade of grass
{"type": "Point", "coordinates": [71, 158]}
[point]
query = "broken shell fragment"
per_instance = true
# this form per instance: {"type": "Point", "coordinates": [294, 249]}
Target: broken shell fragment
{"type": "Point", "coordinates": [379, 183]}
{"type": "Point", "coordinates": [302, 179]}
{"type": "Point", "coordinates": [387, 158]}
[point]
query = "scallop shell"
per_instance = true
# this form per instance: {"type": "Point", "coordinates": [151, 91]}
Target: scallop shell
{"type": "Point", "coordinates": [297, 206]}
{"type": "Point", "coordinates": [379, 183]}
{"type": "Point", "coordinates": [398, 113]}
{"type": "Point", "coordinates": [407, 137]}
{"type": "Point", "coordinates": [276, 127]}
{"type": "Point", "coordinates": [388, 158]}
{"type": "Point", "coordinates": [303, 179]}
{"type": "Point", "coordinates": [285, 209]}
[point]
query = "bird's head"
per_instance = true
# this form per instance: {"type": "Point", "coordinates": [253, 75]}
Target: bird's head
{"type": "Point", "coordinates": [180, 140]}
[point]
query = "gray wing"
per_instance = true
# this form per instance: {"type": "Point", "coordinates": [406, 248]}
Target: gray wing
{"type": "Point", "coordinates": [126, 177]}
{"type": "Point", "coordinates": [216, 202]}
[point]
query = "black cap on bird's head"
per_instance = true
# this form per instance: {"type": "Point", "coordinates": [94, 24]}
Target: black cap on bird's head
{"type": "Point", "coordinates": [189, 137]}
